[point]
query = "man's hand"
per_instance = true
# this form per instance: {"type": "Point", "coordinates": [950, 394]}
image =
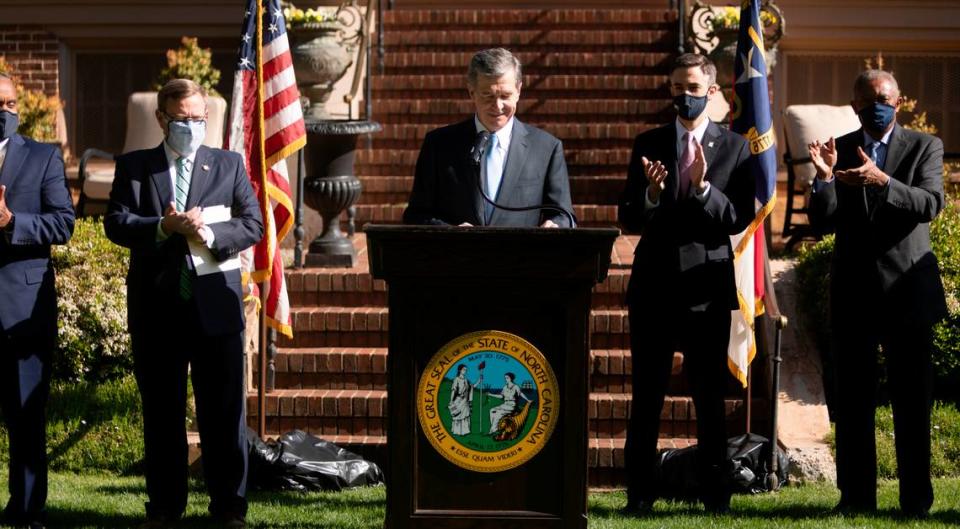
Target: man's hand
{"type": "Point", "coordinates": [698, 171]}
{"type": "Point", "coordinates": [549, 224]}
{"type": "Point", "coordinates": [824, 157]}
{"type": "Point", "coordinates": [867, 174]}
{"type": "Point", "coordinates": [189, 224]}
{"type": "Point", "coordinates": [656, 173]}
{"type": "Point", "coordinates": [5, 214]}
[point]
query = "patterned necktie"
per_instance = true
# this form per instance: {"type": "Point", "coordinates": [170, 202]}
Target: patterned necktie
{"type": "Point", "coordinates": [686, 162]}
{"type": "Point", "coordinates": [183, 190]}
{"type": "Point", "coordinates": [494, 175]}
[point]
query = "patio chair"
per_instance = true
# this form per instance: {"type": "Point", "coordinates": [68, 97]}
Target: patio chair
{"type": "Point", "coordinates": [803, 124]}
{"type": "Point", "coordinates": [142, 133]}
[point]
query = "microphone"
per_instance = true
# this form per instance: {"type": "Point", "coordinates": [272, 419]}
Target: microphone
{"type": "Point", "coordinates": [479, 147]}
{"type": "Point", "coordinates": [476, 154]}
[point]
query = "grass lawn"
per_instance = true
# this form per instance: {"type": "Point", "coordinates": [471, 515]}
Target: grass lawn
{"type": "Point", "coordinates": [93, 501]}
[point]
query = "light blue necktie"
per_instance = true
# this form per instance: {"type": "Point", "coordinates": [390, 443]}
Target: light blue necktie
{"type": "Point", "coordinates": [878, 155]}
{"type": "Point", "coordinates": [494, 175]}
{"type": "Point", "coordinates": [183, 190]}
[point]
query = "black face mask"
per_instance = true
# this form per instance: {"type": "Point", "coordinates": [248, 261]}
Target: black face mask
{"type": "Point", "coordinates": [690, 107]}
{"type": "Point", "coordinates": [8, 124]}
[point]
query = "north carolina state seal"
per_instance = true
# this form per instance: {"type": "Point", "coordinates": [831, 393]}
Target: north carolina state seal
{"type": "Point", "coordinates": [488, 401]}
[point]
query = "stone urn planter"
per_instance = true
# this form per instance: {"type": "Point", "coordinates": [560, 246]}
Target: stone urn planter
{"type": "Point", "coordinates": [321, 57]}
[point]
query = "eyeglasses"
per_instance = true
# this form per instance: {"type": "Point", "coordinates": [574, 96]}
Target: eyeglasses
{"type": "Point", "coordinates": [185, 121]}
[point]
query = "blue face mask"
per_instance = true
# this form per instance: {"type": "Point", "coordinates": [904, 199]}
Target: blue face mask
{"type": "Point", "coordinates": [690, 107]}
{"type": "Point", "coordinates": [185, 137]}
{"type": "Point", "coordinates": [877, 117]}
{"type": "Point", "coordinates": [8, 124]}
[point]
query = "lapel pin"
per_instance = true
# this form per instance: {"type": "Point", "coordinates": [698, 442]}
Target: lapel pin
{"type": "Point", "coordinates": [207, 167]}
{"type": "Point", "coordinates": [708, 145]}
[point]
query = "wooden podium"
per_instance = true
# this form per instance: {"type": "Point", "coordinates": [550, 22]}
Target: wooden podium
{"type": "Point", "coordinates": [488, 373]}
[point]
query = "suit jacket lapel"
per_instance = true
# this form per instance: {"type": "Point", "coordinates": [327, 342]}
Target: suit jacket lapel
{"type": "Point", "coordinates": [711, 143]}
{"type": "Point", "coordinates": [895, 151]}
{"type": "Point", "coordinates": [199, 178]}
{"type": "Point", "coordinates": [160, 174]}
{"type": "Point", "coordinates": [513, 168]}
{"type": "Point", "coordinates": [16, 154]}
{"type": "Point", "coordinates": [466, 174]}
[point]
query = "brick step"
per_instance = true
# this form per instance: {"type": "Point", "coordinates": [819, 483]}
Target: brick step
{"type": "Point", "coordinates": [368, 327]}
{"type": "Point", "coordinates": [502, 19]}
{"type": "Point", "coordinates": [585, 189]}
{"type": "Point", "coordinates": [588, 215]}
{"type": "Point", "coordinates": [356, 368]}
{"type": "Point", "coordinates": [364, 412]}
{"type": "Point", "coordinates": [355, 287]}
{"type": "Point", "coordinates": [534, 85]}
{"type": "Point", "coordinates": [574, 62]}
{"type": "Point", "coordinates": [397, 111]}
{"type": "Point", "coordinates": [403, 161]}
{"type": "Point", "coordinates": [548, 40]}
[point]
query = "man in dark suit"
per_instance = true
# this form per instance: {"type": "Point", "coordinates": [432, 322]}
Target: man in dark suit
{"type": "Point", "coordinates": [879, 188]}
{"type": "Point", "coordinates": [522, 166]}
{"type": "Point", "coordinates": [177, 199]}
{"type": "Point", "coordinates": [688, 189]}
{"type": "Point", "coordinates": [35, 212]}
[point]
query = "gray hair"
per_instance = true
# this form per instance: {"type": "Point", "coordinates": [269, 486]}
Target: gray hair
{"type": "Point", "coordinates": [176, 90]}
{"type": "Point", "coordinates": [495, 62]}
{"type": "Point", "coordinates": [863, 83]}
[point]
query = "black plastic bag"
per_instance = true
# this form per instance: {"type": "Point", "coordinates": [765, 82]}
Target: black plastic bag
{"type": "Point", "coordinates": [300, 461]}
{"type": "Point", "coordinates": [748, 461]}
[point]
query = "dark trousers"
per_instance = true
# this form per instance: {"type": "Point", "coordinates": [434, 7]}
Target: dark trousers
{"type": "Point", "coordinates": [655, 334]}
{"type": "Point", "coordinates": [24, 388]}
{"type": "Point", "coordinates": [216, 363]}
{"type": "Point", "coordinates": [910, 375]}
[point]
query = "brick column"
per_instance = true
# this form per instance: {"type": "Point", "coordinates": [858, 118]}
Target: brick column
{"type": "Point", "coordinates": [33, 53]}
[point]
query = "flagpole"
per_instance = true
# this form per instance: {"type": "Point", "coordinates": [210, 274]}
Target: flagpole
{"type": "Point", "coordinates": [264, 204]}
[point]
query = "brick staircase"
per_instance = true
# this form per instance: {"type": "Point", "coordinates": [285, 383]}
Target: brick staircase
{"type": "Point", "coordinates": [594, 79]}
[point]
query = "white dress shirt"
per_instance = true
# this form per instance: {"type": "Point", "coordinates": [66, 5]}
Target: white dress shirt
{"type": "Point", "coordinates": [503, 147]}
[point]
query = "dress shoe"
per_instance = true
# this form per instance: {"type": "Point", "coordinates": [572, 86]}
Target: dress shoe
{"type": "Point", "coordinates": [234, 523]}
{"type": "Point", "coordinates": [717, 506]}
{"type": "Point", "coordinates": [915, 512]}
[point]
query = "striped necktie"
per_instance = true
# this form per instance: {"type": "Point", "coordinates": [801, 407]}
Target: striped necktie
{"type": "Point", "coordinates": [183, 190]}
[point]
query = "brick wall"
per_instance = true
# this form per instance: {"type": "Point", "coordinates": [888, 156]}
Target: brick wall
{"type": "Point", "coordinates": [34, 55]}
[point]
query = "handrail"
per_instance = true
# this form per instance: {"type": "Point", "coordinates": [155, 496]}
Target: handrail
{"type": "Point", "coordinates": [362, 41]}
{"type": "Point", "coordinates": [682, 26]}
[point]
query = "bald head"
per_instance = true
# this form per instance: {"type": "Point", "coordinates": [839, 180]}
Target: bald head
{"type": "Point", "coordinates": [8, 94]}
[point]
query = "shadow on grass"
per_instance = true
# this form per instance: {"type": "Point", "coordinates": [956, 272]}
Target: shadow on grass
{"type": "Point", "coordinates": [949, 517]}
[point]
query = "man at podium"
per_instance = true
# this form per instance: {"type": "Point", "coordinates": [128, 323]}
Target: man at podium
{"type": "Point", "coordinates": [491, 157]}
{"type": "Point", "coordinates": [688, 189]}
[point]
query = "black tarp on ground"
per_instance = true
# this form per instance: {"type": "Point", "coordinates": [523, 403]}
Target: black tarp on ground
{"type": "Point", "coordinates": [749, 456]}
{"type": "Point", "coordinates": [300, 461]}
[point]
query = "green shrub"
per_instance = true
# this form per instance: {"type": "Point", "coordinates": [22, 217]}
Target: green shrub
{"type": "Point", "coordinates": [190, 61]}
{"type": "Point", "coordinates": [944, 442]}
{"type": "Point", "coordinates": [93, 342]}
{"type": "Point", "coordinates": [813, 281]}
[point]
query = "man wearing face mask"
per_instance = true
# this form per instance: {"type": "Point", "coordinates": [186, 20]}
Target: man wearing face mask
{"type": "Point", "coordinates": [162, 200]}
{"type": "Point", "coordinates": [688, 189]}
{"type": "Point", "coordinates": [522, 165]}
{"type": "Point", "coordinates": [35, 212]}
{"type": "Point", "coordinates": [878, 188]}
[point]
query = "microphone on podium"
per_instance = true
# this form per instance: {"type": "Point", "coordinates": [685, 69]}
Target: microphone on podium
{"type": "Point", "coordinates": [480, 145]}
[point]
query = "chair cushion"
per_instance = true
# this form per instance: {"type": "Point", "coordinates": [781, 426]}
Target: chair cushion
{"type": "Point", "coordinates": [803, 124]}
{"type": "Point", "coordinates": [98, 183]}
{"type": "Point", "coordinates": [143, 131]}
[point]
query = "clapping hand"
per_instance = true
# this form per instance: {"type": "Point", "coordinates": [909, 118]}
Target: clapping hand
{"type": "Point", "coordinates": [868, 174]}
{"type": "Point", "coordinates": [656, 173]}
{"type": "Point", "coordinates": [5, 214]}
{"type": "Point", "coordinates": [698, 171]}
{"type": "Point", "coordinates": [824, 157]}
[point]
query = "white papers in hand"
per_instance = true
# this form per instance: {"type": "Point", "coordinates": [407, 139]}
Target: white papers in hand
{"type": "Point", "coordinates": [203, 260]}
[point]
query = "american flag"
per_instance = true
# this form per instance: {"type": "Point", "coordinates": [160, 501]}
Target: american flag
{"type": "Point", "coordinates": [750, 116]}
{"type": "Point", "coordinates": [266, 126]}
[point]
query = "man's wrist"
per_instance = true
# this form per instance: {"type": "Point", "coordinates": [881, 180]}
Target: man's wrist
{"type": "Point", "coordinates": [6, 220]}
